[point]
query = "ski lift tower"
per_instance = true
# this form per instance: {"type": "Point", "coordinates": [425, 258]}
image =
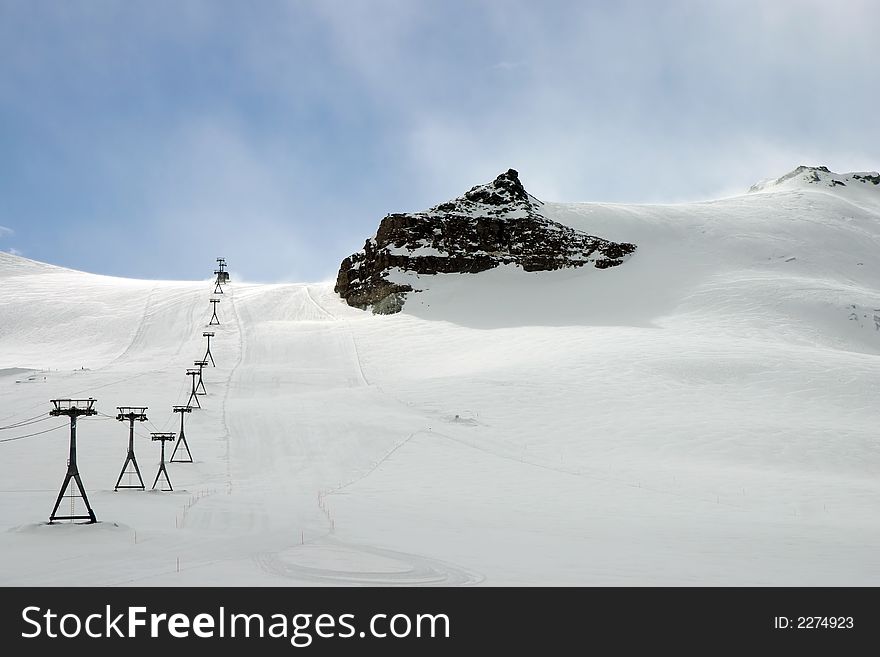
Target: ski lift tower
{"type": "Point", "coordinates": [163, 438]}
{"type": "Point", "coordinates": [214, 318]}
{"type": "Point", "coordinates": [181, 439]}
{"type": "Point", "coordinates": [201, 365]}
{"type": "Point", "coordinates": [193, 395]}
{"type": "Point", "coordinates": [132, 414]}
{"type": "Point", "coordinates": [222, 275]}
{"type": "Point", "coordinates": [73, 408]}
{"type": "Point", "coordinates": [208, 354]}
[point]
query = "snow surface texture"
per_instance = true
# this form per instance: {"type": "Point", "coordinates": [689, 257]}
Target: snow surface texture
{"type": "Point", "coordinates": [703, 414]}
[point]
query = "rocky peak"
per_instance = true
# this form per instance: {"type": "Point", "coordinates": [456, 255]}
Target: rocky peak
{"type": "Point", "coordinates": [819, 176]}
{"type": "Point", "coordinates": [503, 197]}
{"type": "Point", "coordinates": [491, 224]}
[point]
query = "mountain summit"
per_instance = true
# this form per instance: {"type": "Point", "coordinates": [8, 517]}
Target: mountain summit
{"type": "Point", "coordinates": [489, 225]}
{"type": "Point", "coordinates": [819, 176]}
{"type": "Point", "coordinates": [501, 197]}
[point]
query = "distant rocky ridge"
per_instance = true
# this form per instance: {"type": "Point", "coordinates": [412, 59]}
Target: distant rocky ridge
{"type": "Point", "coordinates": [819, 176]}
{"type": "Point", "coordinates": [492, 224]}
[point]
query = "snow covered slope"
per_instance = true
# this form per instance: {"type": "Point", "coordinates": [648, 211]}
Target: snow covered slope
{"type": "Point", "coordinates": [703, 414]}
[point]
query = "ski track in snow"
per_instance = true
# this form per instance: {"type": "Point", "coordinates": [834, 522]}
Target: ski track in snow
{"type": "Point", "coordinates": [228, 387]}
{"type": "Point", "coordinates": [401, 569]}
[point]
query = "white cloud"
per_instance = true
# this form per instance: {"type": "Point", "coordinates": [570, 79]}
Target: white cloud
{"type": "Point", "coordinates": [661, 102]}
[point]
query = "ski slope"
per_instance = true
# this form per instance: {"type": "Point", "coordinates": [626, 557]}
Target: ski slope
{"type": "Point", "coordinates": [704, 414]}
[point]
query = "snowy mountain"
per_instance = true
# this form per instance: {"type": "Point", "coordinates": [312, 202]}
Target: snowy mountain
{"type": "Point", "coordinates": [704, 413]}
{"type": "Point", "coordinates": [819, 176]}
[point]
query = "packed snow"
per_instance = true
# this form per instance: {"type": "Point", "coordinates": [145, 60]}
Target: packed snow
{"type": "Point", "coordinates": [704, 414]}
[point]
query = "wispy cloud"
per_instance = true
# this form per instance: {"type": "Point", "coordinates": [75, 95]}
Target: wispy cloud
{"type": "Point", "coordinates": [5, 232]}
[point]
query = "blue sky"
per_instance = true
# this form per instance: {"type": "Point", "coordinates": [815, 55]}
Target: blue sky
{"type": "Point", "coordinates": [144, 139]}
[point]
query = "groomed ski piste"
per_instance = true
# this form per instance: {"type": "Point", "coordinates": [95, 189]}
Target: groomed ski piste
{"type": "Point", "coordinates": [705, 414]}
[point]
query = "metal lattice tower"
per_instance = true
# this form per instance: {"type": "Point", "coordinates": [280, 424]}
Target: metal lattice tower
{"type": "Point", "coordinates": [222, 276]}
{"type": "Point", "coordinates": [214, 318]}
{"type": "Point", "coordinates": [209, 335]}
{"type": "Point", "coordinates": [200, 364]}
{"type": "Point", "coordinates": [181, 439]}
{"type": "Point", "coordinates": [73, 408]}
{"type": "Point", "coordinates": [163, 438]}
{"type": "Point", "coordinates": [132, 414]}
{"type": "Point", "coordinates": [193, 396]}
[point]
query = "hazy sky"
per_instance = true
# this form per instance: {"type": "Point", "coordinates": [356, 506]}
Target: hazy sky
{"type": "Point", "coordinates": [145, 138]}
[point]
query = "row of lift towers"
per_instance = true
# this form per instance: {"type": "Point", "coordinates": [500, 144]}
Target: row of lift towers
{"type": "Point", "coordinates": [76, 408]}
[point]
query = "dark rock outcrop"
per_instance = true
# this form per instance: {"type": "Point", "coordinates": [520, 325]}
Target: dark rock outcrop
{"type": "Point", "coordinates": [871, 177]}
{"type": "Point", "coordinates": [492, 224]}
